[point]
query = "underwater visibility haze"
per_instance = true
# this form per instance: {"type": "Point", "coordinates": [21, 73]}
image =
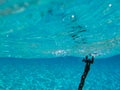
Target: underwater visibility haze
{"type": "Point", "coordinates": [42, 43]}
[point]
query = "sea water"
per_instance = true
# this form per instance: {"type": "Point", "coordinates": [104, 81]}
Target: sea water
{"type": "Point", "coordinates": [63, 73]}
{"type": "Point", "coordinates": [43, 42]}
{"type": "Point", "coordinates": [47, 29]}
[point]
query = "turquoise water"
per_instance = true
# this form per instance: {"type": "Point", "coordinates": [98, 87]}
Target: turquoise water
{"type": "Point", "coordinates": [70, 27]}
{"type": "Point", "coordinates": [42, 43]}
{"type": "Point", "coordinates": [58, 74]}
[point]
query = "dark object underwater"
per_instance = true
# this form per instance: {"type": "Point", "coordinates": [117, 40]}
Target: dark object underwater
{"type": "Point", "coordinates": [86, 70]}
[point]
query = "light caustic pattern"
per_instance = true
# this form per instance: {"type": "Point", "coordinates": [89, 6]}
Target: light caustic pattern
{"type": "Point", "coordinates": [45, 28]}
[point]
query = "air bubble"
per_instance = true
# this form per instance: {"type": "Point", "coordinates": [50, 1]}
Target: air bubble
{"type": "Point", "coordinates": [110, 5]}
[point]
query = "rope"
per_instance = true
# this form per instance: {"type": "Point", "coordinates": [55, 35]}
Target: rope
{"type": "Point", "coordinates": [86, 70]}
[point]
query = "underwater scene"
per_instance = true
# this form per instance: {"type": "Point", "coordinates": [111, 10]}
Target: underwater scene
{"type": "Point", "coordinates": [60, 45]}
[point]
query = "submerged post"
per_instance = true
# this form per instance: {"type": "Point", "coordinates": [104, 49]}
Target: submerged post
{"type": "Point", "coordinates": [86, 70]}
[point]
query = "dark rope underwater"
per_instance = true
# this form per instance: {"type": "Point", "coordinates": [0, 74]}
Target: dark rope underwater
{"type": "Point", "coordinates": [86, 70]}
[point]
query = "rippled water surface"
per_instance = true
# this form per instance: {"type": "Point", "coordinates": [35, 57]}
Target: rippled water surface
{"type": "Point", "coordinates": [52, 28]}
{"type": "Point", "coordinates": [41, 42]}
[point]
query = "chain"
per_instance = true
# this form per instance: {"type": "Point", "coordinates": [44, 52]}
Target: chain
{"type": "Point", "coordinates": [86, 70]}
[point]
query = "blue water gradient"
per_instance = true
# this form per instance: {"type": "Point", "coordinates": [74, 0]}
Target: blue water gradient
{"type": "Point", "coordinates": [55, 28]}
{"type": "Point", "coordinates": [62, 73]}
{"type": "Point", "coordinates": [42, 43]}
